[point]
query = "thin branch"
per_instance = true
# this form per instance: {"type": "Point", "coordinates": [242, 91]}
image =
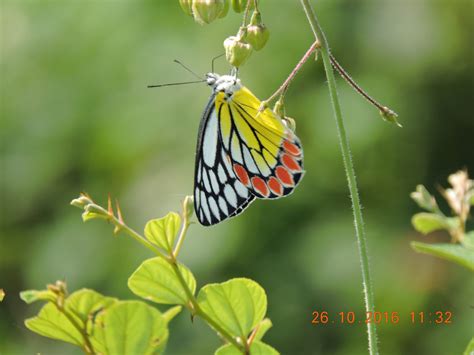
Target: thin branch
{"type": "Point", "coordinates": [293, 73]}
{"type": "Point", "coordinates": [350, 173]}
{"type": "Point", "coordinates": [182, 235]}
{"type": "Point", "coordinates": [356, 87]}
{"type": "Point", "coordinates": [246, 13]}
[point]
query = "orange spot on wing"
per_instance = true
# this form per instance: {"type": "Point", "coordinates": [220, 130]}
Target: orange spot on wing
{"type": "Point", "coordinates": [260, 186]}
{"type": "Point", "coordinates": [290, 163]}
{"type": "Point", "coordinates": [284, 176]}
{"type": "Point", "coordinates": [291, 148]}
{"type": "Point", "coordinates": [242, 174]}
{"type": "Point", "coordinates": [275, 186]}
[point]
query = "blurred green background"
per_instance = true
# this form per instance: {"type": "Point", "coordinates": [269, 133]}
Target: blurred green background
{"type": "Point", "coordinates": [76, 116]}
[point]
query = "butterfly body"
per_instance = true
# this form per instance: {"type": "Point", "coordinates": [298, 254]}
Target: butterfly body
{"type": "Point", "coordinates": [241, 154]}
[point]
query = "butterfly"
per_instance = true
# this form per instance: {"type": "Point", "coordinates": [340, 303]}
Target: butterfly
{"type": "Point", "coordinates": [242, 154]}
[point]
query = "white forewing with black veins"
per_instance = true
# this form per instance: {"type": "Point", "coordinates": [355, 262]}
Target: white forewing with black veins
{"type": "Point", "coordinates": [241, 154]}
{"type": "Point", "coordinates": [218, 194]}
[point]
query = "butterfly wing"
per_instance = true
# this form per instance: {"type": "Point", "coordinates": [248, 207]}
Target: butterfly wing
{"type": "Point", "coordinates": [218, 193]}
{"type": "Point", "coordinates": [266, 156]}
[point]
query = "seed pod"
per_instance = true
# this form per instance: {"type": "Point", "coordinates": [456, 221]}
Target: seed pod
{"type": "Point", "coordinates": [225, 10]}
{"type": "Point", "coordinates": [257, 32]}
{"type": "Point", "coordinates": [206, 11]}
{"type": "Point", "coordinates": [186, 6]}
{"type": "Point", "coordinates": [236, 50]}
{"type": "Point", "coordinates": [389, 116]}
{"type": "Point", "coordinates": [240, 5]}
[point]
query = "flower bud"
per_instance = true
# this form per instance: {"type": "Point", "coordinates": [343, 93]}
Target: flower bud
{"type": "Point", "coordinates": [424, 199]}
{"type": "Point", "coordinates": [186, 6]}
{"type": "Point", "coordinates": [225, 10]}
{"type": "Point", "coordinates": [206, 11]}
{"type": "Point", "coordinates": [390, 116]}
{"type": "Point", "coordinates": [82, 201]}
{"type": "Point", "coordinates": [257, 32]}
{"type": "Point", "coordinates": [188, 207]}
{"type": "Point", "coordinates": [236, 50]}
{"type": "Point", "coordinates": [94, 211]}
{"type": "Point", "coordinates": [240, 5]}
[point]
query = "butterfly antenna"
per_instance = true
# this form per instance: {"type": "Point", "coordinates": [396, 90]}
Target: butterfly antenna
{"type": "Point", "coordinates": [213, 60]}
{"type": "Point", "coordinates": [185, 67]}
{"type": "Point", "coordinates": [172, 84]}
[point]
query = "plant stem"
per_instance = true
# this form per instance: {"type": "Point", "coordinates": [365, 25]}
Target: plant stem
{"type": "Point", "coordinates": [246, 13]}
{"type": "Point", "coordinates": [122, 226]}
{"type": "Point", "coordinates": [88, 349]}
{"type": "Point", "coordinates": [282, 89]}
{"type": "Point", "coordinates": [195, 309]}
{"type": "Point", "coordinates": [356, 87]}
{"type": "Point", "coordinates": [182, 234]}
{"type": "Point", "coordinates": [174, 264]}
{"type": "Point", "coordinates": [218, 328]}
{"type": "Point", "coordinates": [350, 173]}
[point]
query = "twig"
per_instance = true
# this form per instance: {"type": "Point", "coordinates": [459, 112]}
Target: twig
{"type": "Point", "coordinates": [350, 174]}
{"type": "Point", "coordinates": [292, 75]}
{"type": "Point", "coordinates": [356, 87]}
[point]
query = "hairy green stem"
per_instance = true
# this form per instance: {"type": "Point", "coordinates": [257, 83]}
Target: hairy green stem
{"type": "Point", "coordinates": [350, 173]}
{"type": "Point", "coordinates": [383, 109]}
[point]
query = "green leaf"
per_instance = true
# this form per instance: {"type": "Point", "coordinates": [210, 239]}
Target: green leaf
{"type": "Point", "coordinates": [84, 303]}
{"type": "Point", "coordinates": [428, 222]}
{"type": "Point", "coordinates": [171, 313]}
{"type": "Point", "coordinates": [472, 198]}
{"type": "Point", "coordinates": [51, 323]}
{"type": "Point", "coordinates": [263, 327]}
{"type": "Point", "coordinates": [452, 252]}
{"type": "Point", "coordinates": [470, 348]}
{"type": "Point", "coordinates": [468, 240]}
{"type": "Point", "coordinates": [156, 280]}
{"type": "Point", "coordinates": [130, 327]}
{"type": "Point", "coordinates": [163, 231]}
{"type": "Point", "coordinates": [30, 296]}
{"type": "Point", "coordinates": [257, 348]}
{"type": "Point", "coordinates": [424, 199]}
{"type": "Point", "coordinates": [237, 305]}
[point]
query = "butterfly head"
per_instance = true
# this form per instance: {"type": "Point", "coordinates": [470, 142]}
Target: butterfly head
{"type": "Point", "coordinates": [223, 83]}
